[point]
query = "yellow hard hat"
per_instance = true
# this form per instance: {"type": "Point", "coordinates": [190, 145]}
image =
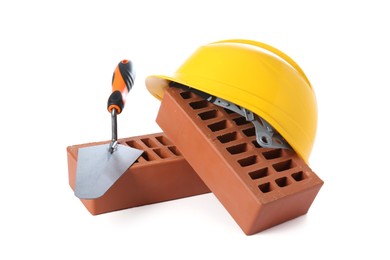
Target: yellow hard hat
{"type": "Point", "coordinates": [254, 76]}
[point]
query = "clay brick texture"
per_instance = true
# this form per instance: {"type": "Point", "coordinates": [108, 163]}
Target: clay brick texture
{"type": "Point", "coordinates": [160, 174]}
{"type": "Point", "coordinates": [259, 187]}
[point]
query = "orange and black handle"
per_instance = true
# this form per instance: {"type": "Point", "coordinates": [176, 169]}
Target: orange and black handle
{"type": "Point", "coordinates": [122, 82]}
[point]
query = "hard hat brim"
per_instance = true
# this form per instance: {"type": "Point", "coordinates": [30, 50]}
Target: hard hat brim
{"type": "Point", "coordinates": [157, 84]}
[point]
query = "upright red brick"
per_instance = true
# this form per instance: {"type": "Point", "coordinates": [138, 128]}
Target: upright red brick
{"type": "Point", "coordinates": [259, 187]}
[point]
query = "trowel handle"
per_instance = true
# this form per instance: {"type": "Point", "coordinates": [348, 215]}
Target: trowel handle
{"type": "Point", "coordinates": [122, 82]}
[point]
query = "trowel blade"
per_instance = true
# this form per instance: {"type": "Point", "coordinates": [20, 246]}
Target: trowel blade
{"type": "Point", "coordinates": [98, 169]}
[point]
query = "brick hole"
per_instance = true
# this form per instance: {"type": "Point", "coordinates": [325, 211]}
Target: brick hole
{"type": "Point", "coordinates": [282, 182]}
{"type": "Point", "coordinates": [219, 126]}
{"type": "Point", "coordinates": [162, 153]}
{"type": "Point", "coordinates": [163, 140]}
{"type": "Point", "coordinates": [148, 142]}
{"type": "Point", "coordinates": [229, 137]}
{"type": "Point", "coordinates": [236, 149]}
{"type": "Point", "coordinates": [241, 121]}
{"type": "Point", "coordinates": [147, 156]}
{"type": "Point", "coordinates": [265, 187]}
{"type": "Point", "coordinates": [248, 161]}
{"type": "Point", "coordinates": [187, 95]}
{"type": "Point", "coordinates": [249, 132]}
{"type": "Point", "coordinates": [299, 176]}
{"type": "Point", "coordinates": [228, 111]}
{"type": "Point", "coordinates": [283, 166]}
{"type": "Point", "coordinates": [256, 144]}
{"type": "Point", "coordinates": [273, 154]}
{"type": "Point", "coordinates": [174, 150]}
{"type": "Point", "coordinates": [261, 173]}
{"type": "Point", "coordinates": [209, 114]}
{"type": "Point", "coordinates": [134, 144]}
{"type": "Point", "coordinates": [199, 104]}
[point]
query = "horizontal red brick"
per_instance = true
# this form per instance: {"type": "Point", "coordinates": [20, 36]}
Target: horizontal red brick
{"type": "Point", "coordinates": [160, 174]}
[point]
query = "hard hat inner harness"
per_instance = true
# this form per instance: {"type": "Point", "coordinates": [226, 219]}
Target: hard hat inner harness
{"type": "Point", "coordinates": [266, 135]}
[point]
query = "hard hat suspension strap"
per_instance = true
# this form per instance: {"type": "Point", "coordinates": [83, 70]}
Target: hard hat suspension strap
{"type": "Point", "coordinates": [266, 135]}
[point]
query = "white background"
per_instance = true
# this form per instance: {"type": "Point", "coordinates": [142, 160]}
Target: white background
{"type": "Point", "coordinates": [56, 63]}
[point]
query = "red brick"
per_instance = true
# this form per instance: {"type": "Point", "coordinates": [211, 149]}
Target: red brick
{"type": "Point", "coordinates": [160, 174]}
{"type": "Point", "coordinates": [259, 187]}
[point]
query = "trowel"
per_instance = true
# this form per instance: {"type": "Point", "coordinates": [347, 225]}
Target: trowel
{"type": "Point", "coordinates": [100, 166]}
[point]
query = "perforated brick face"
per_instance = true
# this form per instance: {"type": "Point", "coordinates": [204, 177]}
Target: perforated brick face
{"type": "Point", "coordinates": [260, 187]}
{"type": "Point", "coordinates": [160, 174]}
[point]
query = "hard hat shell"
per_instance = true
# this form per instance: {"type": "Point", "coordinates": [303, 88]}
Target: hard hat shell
{"type": "Point", "coordinates": [257, 77]}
